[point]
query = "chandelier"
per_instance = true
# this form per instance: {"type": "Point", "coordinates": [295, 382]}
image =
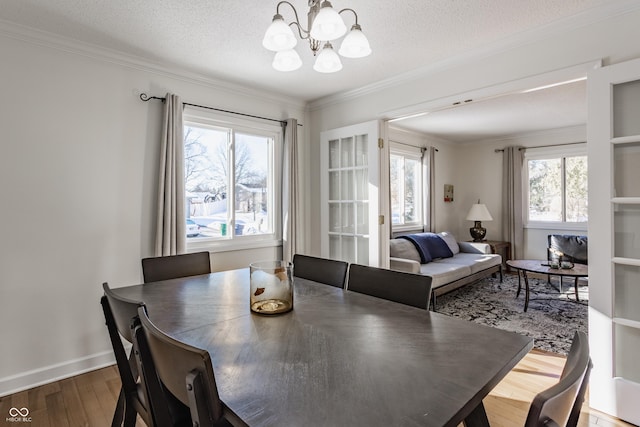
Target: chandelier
{"type": "Point", "coordinates": [324, 25]}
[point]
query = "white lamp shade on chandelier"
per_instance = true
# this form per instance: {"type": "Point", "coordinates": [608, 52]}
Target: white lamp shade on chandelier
{"type": "Point", "coordinates": [328, 60]}
{"type": "Point", "coordinates": [287, 60]}
{"type": "Point", "coordinates": [326, 25]}
{"type": "Point", "coordinates": [279, 36]}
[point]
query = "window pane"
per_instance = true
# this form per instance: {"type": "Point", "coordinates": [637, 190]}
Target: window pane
{"type": "Point", "coordinates": [206, 181]}
{"type": "Point", "coordinates": [411, 190]}
{"type": "Point", "coordinates": [545, 190]}
{"type": "Point", "coordinates": [576, 189]}
{"type": "Point", "coordinates": [252, 186]}
{"type": "Point", "coordinates": [396, 175]}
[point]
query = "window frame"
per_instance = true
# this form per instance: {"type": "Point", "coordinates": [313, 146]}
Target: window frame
{"type": "Point", "coordinates": [211, 119]}
{"type": "Point", "coordinates": [413, 153]}
{"type": "Point", "coordinates": [550, 153]}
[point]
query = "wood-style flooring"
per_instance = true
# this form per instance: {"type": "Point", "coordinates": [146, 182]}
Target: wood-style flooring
{"type": "Point", "coordinates": [89, 399]}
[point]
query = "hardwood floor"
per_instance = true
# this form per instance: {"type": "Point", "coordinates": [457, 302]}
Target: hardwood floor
{"type": "Point", "coordinates": [89, 399]}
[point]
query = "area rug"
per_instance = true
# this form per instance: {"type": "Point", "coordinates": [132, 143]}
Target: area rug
{"type": "Point", "coordinates": [551, 319]}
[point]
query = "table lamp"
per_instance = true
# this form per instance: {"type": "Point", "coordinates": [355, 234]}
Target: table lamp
{"type": "Point", "coordinates": [478, 213]}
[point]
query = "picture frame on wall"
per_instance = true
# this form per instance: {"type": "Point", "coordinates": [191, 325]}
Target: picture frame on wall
{"type": "Point", "coordinates": [448, 193]}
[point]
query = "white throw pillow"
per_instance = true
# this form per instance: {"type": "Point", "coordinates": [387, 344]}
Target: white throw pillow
{"type": "Point", "coordinates": [451, 241]}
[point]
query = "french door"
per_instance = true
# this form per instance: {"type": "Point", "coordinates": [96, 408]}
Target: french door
{"type": "Point", "coordinates": [353, 225]}
{"type": "Point", "coordinates": [613, 137]}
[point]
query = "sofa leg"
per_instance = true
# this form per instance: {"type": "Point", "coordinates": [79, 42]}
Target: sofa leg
{"type": "Point", "coordinates": [501, 277]}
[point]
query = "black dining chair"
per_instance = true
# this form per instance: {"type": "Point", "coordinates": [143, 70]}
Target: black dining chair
{"type": "Point", "coordinates": [133, 399]}
{"type": "Point", "coordinates": [155, 269]}
{"type": "Point", "coordinates": [405, 288]}
{"type": "Point", "coordinates": [560, 404]}
{"type": "Point", "coordinates": [321, 270]}
{"type": "Point", "coordinates": [184, 373]}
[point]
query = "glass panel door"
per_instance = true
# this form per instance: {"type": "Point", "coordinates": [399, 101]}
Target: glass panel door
{"type": "Point", "coordinates": [614, 238]}
{"type": "Point", "coordinates": [350, 190]}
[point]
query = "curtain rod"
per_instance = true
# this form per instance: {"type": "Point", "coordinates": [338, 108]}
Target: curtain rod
{"type": "Point", "coordinates": [145, 98]}
{"type": "Point", "coordinates": [499, 150]}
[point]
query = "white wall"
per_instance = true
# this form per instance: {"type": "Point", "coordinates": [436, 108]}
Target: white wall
{"type": "Point", "coordinates": [78, 175]}
{"type": "Point", "coordinates": [606, 40]}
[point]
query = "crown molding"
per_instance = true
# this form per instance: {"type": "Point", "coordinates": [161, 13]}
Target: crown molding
{"type": "Point", "coordinates": [550, 30]}
{"type": "Point", "coordinates": [53, 41]}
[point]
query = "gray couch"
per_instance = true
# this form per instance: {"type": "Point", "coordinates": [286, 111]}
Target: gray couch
{"type": "Point", "coordinates": [470, 262]}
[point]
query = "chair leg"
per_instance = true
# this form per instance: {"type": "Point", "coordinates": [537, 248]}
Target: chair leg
{"type": "Point", "coordinates": [130, 415]}
{"type": "Point", "coordinates": [575, 285]}
{"type": "Point", "coordinates": [118, 414]}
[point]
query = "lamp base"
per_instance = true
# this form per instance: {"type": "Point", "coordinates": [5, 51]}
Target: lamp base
{"type": "Point", "coordinates": [478, 232]}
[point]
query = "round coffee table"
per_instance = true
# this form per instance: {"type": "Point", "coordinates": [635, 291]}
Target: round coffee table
{"type": "Point", "coordinates": [542, 267]}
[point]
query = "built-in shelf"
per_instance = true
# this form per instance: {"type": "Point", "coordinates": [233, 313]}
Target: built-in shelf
{"type": "Point", "coordinates": [625, 139]}
{"type": "Point", "coordinates": [626, 200]}
{"type": "Point", "coordinates": [626, 322]}
{"type": "Point", "coordinates": [626, 261]}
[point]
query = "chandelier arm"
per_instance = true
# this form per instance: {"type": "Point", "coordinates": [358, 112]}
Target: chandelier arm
{"type": "Point", "coordinates": [350, 10]}
{"type": "Point", "coordinates": [301, 30]}
{"type": "Point", "coordinates": [297, 21]}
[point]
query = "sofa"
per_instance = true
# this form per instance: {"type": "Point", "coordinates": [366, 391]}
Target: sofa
{"type": "Point", "coordinates": [451, 264]}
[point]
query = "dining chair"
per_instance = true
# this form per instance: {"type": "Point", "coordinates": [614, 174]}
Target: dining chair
{"type": "Point", "coordinates": [155, 269]}
{"type": "Point", "coordinates": [560, 404]}
{"type": "Point", "coordinates": [133, 398]}
{"type": "Point", "coordinates": [321, 270]}
{"type": "Point", "coordinates": [405, 288]}
{"type": "Point", "coordinates": [185, 374]}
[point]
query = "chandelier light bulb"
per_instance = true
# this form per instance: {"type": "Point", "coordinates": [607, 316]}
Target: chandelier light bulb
{"type": "Point", "coordinates": [328, 24]}
{"type": "Point", "coordinates": [355, 44]}
{"type": "Point", "coordinates": [287, 60]}
{"type": "Point", "coordinates": [328, 60]}
{"type": "Point", "coordinates": [279, 35]}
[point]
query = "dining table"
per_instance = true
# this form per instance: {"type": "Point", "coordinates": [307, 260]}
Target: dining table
{"type": "Point", "coordinates": [339, 358]}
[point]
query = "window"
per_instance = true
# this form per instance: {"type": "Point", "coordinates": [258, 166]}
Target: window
{"type": "Point", "coordinates": [230, 180]}
{"type": "Point", "coordinates": [557, 186]}
{"type": "Point", "coordinates": [405, 172]}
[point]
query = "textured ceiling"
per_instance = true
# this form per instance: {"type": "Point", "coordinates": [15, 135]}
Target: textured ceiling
{"type": "Point", "coordinates": [221, 39]}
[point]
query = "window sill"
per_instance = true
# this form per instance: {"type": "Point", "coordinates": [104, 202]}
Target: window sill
{"type": "Point", "coordinates": [237, 244]}
{"type": "Point", "coordinates": [570, 226]}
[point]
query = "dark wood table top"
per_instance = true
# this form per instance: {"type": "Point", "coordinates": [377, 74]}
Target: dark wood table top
{"type": "Point", "coordinates": [339, 358]}
{"type": "Point", "coordinates": [540, 266]}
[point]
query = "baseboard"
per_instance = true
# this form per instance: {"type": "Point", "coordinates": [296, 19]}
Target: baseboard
{"type": "Point", "coordinates": [47, 374]}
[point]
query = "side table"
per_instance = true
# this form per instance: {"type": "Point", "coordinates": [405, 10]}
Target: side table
{"type": "Point", "coordinates": [502, 248]}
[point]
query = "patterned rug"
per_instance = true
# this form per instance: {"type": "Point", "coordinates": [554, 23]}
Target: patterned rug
{"type": "Point", "coordinates": [551, 319]}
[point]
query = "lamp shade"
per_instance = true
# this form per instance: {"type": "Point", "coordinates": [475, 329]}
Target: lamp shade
{"type": "Point", "coordinates": [328, 24]}
{"type": "Point", "coordinates": [479, 212]}
{"type": "Point", "coordinates": [355, 44]}
{"type": "Point", "coordinates": [328, 60]}
{"type": "Point", "coordinates": [287, 60]}
{"type": "Point", "coordinates": [279, 36]}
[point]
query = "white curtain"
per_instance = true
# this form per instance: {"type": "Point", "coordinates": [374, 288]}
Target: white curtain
{"type": "Point", "coordinates": [171, 225]}
{"type": "Point", "coordinates": [512, 223]}
{"type": "Point", "coordinates": [290, 191]}
{"type": "Point", "coordinates": [430, 209]}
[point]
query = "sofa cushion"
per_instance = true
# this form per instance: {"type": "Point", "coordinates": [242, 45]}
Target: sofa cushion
{"type": "Point", "coordinates": [401, 248]}
{"type": "Point", "coordinates": [430, 246]}
{"type": "Point", "coordinates": [442, 273]}
{"type": "Point", "coordinates": [450, 240]}
{"type": "Point", "coordinates": [475, 262]}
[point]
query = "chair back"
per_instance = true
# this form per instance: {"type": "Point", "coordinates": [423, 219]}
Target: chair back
{"type": "Point", "coordinates": [119, 313]}
{"type": "Point", "coordinates": [405, 288]}
{"type": "Point", "coordinates": [184, 371]}
{"type": "Point", "coordinates": [156, 269]}
{"type": "Point", "coordinates": [573, 248]}
{"type": "Point", "coordinates": [321, 270]}
{"type": "Point", "coordinates": [561, 403]}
